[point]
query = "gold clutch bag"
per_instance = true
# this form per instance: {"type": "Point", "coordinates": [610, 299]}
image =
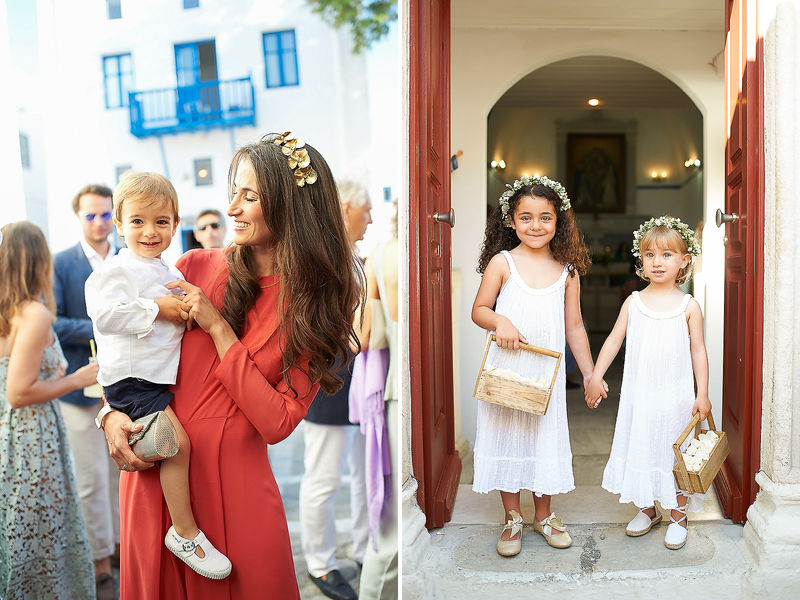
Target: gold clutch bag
{"type": "Point", "coordinates": [157, 439]}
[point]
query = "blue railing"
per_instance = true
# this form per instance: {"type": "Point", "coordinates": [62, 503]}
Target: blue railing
{"type": "Point", "coordinates": [204, 105]}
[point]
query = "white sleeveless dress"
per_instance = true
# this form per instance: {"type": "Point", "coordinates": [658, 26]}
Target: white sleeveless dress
{"type": "Point", "coordinates": [515, 450]}
{"type": "Point", "coordinates": [655, 405]}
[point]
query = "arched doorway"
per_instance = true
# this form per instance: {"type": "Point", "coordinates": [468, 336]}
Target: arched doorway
{"type": "Point", "coordinates": [635, 152]}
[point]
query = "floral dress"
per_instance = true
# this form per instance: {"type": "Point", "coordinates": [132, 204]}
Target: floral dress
{"type": "Point", "coordinates": [44, 551]}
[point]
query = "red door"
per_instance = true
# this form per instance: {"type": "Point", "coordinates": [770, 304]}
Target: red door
{"type": "Point", "coordinates": [436, 463]}
{"type": "Point", "coordinates": [744, 259]}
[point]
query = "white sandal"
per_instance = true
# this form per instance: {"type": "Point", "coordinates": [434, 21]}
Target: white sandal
{"type": "Point", "coordinates": [675, 537]}
{"type": "Point", "coordinates": [642, 523]}
{"type": "Point", "coordinates": [511, 547]}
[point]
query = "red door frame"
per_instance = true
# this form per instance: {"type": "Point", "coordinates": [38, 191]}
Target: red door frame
{"type": "Point", "coordinates": [744, 259]}
{"type": "Point", "coordinates": [436, 464]}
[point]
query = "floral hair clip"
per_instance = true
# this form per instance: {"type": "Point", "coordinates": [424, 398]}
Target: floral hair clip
{"type": "Point", "coordinates": [674, 223]}
{"type": "Point", "coordinates": [527, 180]}
{"type": "Point", "coordinates": [297, 156]}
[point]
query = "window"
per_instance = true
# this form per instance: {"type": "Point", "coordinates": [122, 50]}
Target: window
{"type": "Point", "coordinates": [114, 8]}
{"type": "Point", "coordinates": [280, 59]}
{"type": "Point", "coordinates": [24, 152]}
{"type": "Point", "coordinates": [120, 170]}
{"type": "Point", "coordinates": [191, 3]}
{"type": "Point", "coordinates": [202, 171]}
{"type": "Point", "coordinates": [117, 79]}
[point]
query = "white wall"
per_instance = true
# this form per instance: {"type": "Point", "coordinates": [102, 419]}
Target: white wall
{"type": "Point", "coordinates": [331, 108]}
{"type": "Point", "coordinates": [12, 202]}
{"type": "Point", "coordinates": [683, 57]}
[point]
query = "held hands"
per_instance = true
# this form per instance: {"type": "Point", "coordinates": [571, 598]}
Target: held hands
{"type": "Point", "coordinates": [508, 336]}
{"type": "Point", "coordinates": [173, 309]}
{"type": "Point", "coordinates": [596, 389]}
{"type": "Point", "coordinates": [200, 308]}
{"type": "Point", "coordinates": [118, 427]}
{"type": "Point", "coordinates": [86, 376]}
{"type": "Point", "coordinates": [701, 405]}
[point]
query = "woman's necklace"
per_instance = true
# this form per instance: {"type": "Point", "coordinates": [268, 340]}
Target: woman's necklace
{"type": "Point", "coordinates": [270, 285]}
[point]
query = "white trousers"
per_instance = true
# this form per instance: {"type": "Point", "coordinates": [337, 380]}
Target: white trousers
{"type": "Point", "coordinates": [97, 477]}
{"type": "Point", "coordinates": [326, 448]}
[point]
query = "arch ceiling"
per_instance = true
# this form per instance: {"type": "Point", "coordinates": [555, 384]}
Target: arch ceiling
{"type": "Point", "coordinates": [618, 83]}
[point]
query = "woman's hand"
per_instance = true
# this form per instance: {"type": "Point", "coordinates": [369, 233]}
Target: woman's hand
{"type": "Point", "coordinates": [86, 375]}
{"type": "Point", "coordinates": [201, 310]}
{"type": "Point", "coordinates": [703, 406]}
{"type": "Point", "coordinates": [118, 427]}
{"type": "Point", "coordinates": [507, 335]}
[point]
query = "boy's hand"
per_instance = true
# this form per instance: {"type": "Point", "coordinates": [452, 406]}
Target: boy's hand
{"type": "Point", "coordinates": [703, 406]}
{"type": "Point", "coordinates": [596, 390]}
{"type": "Point", "coordinates": [508, 337]}
{"type": "Point", "coordinates": [173, 309]}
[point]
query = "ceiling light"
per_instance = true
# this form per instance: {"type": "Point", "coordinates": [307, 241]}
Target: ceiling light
{"type": "Point", "coordinates": [593, 102]}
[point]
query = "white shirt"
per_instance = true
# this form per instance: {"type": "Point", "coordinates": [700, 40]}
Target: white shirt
{"type": "Point", "coordinates": [120, 300]}
{"type": "Point", "coordinates": [96, 260]}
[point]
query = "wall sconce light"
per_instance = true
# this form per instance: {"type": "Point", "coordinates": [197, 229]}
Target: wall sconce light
{"type": "Point", "coordinates": [497, 164]}
{"type": "Point", "coordinates": [690, 163]}
{"type": "Point", "coordinates": [658, 176]}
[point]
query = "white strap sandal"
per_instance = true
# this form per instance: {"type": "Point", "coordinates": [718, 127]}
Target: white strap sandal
{"type": "Point", "coordinates": [511, 547]}
{"type": "Point", "coordinates": [675, 537]}
{"type": "Point", "coordinates": [213, 565]}
{"type": "Point", "coordinates": [642, 523]}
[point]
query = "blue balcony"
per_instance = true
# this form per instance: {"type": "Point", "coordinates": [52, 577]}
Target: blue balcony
{"type": "Point", "coordinates": [204, 105]}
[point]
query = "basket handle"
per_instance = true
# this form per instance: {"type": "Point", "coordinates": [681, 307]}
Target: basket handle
{"type": "Point", "coordinates": [536, 349]}
{"type": "Point", "coordinates": [681, 467]}
{"type": "Point", "coordinates": [695, 420]}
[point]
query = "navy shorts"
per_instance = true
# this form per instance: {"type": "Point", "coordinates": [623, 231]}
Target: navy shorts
{"type": "Point", "coordinates": [138, 398]}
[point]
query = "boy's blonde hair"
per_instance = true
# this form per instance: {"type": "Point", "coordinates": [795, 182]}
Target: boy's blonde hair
{"type": "Point", "coordinates": [144, 186]}
{"type": "Point", "coordinates": [669, 239]}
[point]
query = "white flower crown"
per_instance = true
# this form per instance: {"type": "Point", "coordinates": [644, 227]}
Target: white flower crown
{"type": "Point", "coordinates": [527, 180]}
{"type": "Point", "coordinates": [693, 247]}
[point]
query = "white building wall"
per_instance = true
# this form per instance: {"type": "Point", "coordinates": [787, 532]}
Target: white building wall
{"type": "Point", "coordinates": [330, 108]}
{"type": "Point", "coordinates": [498, 58]}
{"type": "Point", "coordinates": [12, 206]}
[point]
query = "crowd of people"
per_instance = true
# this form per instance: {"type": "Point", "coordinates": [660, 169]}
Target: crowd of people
{"type": "Point", "coordinates": [236, 344]}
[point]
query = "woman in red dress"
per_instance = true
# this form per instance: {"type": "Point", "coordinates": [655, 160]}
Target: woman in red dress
{"type": "Point", "coordinates": [272, 318]}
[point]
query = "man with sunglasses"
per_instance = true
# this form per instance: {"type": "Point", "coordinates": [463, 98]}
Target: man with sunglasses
{"type": "Point", "coordinates": [97, 475]}
{"type": "Point", "coordinates": [209, 229]}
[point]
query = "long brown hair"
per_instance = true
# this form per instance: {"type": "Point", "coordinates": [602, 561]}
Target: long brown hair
{"type": "Point", "coordinates": [567, 244]}
{"type": "Point", "coordinates": [321, 283]}
{"type": "Point", "coordinates": [26, 271]}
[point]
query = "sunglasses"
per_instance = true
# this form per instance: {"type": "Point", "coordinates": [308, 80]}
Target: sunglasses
{"type": "Point", "coordinates": [106, 216]}
{"type": "Point", "coordinates": [215, 225]}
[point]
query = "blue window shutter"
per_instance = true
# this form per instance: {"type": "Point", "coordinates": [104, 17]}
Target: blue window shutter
{"type": "Point", "coordinates": [114, 8]}
{"type": "Point", "coordinates": [280, 59]}
{"type": "Point", "coordinates": [117, 79]}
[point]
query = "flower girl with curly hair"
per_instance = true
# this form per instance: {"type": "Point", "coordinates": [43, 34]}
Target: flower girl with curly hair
{"type": "Point", "coordinates": [530, 293]}
{"type": "Point", "coordinates": [665, 356]}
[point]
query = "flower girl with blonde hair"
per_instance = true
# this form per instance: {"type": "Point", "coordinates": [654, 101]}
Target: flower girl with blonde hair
{"type": "Point", "coordinates": [665, 357]}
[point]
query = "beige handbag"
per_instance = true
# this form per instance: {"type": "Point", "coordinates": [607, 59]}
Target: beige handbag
{"type": "Point", "coordinates": [157, 439]}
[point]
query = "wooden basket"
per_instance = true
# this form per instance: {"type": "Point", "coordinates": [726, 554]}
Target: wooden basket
{"type": "Point", "coordinates": [515, 394]}
{"type": "Point", "coordinates": [698, 482]}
